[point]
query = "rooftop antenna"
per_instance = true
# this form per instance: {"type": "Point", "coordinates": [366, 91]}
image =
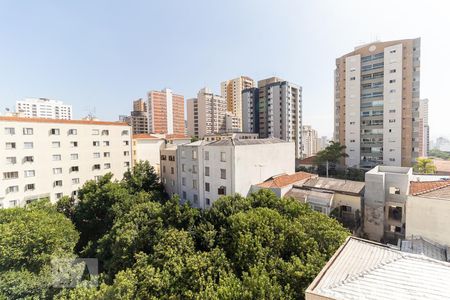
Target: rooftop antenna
{"type": "Point", "coordinates": [90, 112]}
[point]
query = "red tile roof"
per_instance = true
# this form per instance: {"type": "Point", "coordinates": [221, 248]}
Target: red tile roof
{"type": "Point", "coordinates": [141, 136]}
{"type": "Point", "coordinates": [284, 180]}
{"type": "Point", "coordinates": [176, 136]}
{"type": "Point", "coordinates": [423, 187]}
{"type": "Point", "coordinates": [43, 120]}
{"type": "Point", "coordinates": [308, 160]}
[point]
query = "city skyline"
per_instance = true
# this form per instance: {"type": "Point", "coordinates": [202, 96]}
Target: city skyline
{"type": "Point", "coordinates": [96, 59]}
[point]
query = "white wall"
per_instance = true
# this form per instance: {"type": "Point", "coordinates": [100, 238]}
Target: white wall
{"type": "Point", "coordinates": [353, 110]}
{"type": "Point", "coordinates": [43, 151]}
{"type": "Point", "coordinates": [148, 150]}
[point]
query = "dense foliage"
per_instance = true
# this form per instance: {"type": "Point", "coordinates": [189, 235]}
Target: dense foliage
{"type": "Point", "coordinates": [439, 154]}
{"type": "Point", "coordinates": [424, 166]}
{"type": "Point", "coordinates": [150, 247]}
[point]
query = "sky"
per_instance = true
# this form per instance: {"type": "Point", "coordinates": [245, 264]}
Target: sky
{"type": "Point", "coordinates": [100, 55]}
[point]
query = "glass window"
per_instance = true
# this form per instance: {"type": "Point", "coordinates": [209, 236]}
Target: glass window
{"type": "Point", "coordinates": [10, 146]}
{"type": "Point", "coordinates": [206, 155]}
{"type": "Point", "coordinates": [54, 131]}
{"type": "Point", "coordinates": [106, 143]}
{"type": "Point", "coordinates": [72, 132]}
{"type": "Point", "coordinates": [223, 156]}
{"type": "Point", "coordinates": [75, 180]}
{"type": "Point", "coordinates": [96, 154]}
{"type": "Point", "coordinates": [29, 173]}
{"type": "Point", "coordinates": [96, 143]}
{"type": "Point", "coordinates": [11, 160]}
{"type": "Point", "coordinates": [73, 144]}
{"type": "Point", "coordinates": [107, 166]}
{"type": "Point", "coordinates": [56, 157]}
{"type": "Point", "coordinates": [207, 186]}
{"type": "Point", "coordinates": [10, 131]}
{"type": "Point", "coordinates": [27, 131]}
{"type": "Point", "coordinates": [10, 175]}
{"type": "Point", "coordinates": [56, 144]}
{"type": "Point", "coordinates": [194, 183]}
{"type": "Point", "coordinates": [28, 145]}
{"type": "Point", "coordinates": [223, 174]}
{"type": "Point", "coordinates": [57, 171]}
{"type": "Point", "coordinates": [206, 171]}
{"type": "Point", "coordinates": [74, 156]}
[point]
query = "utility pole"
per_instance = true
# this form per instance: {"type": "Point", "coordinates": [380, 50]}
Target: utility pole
{"type": "Point", "coordinates": [327, 168]}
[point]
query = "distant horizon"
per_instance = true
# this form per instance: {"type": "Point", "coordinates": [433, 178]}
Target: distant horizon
{"type": "Point", "coordinates": [103, 55]}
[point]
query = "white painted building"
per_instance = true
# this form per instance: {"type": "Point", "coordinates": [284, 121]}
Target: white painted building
{"type": "Point", "coordinates": [44, 108]}
{"type": "Point", "coordinates": [309, 140]}
{"type": "Point", "coordinates": [148, 147]}
{"type": "Point", "coordinates": [232, 122]}
{"type": "Point", "coordinates": [45, 158]}
{"type": "Point", "coordinates": [208, 170]}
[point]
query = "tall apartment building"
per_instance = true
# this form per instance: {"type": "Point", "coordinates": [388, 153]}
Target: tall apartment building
{"type": "Point", "coordinates": [274, 109]}
{"type": "Point", "coordinates": [165, 112]}
{"type": "Point", "coordinates": [377, 92]}
{"type": "Point", "coordinates": [231, 90]}
{"type": "Point", "coordinates": [250, 110]}
{"type": "Point", "coordinates": [232, 122]}
{"type": "Point", "coordinates": [206, 114]}
{"type": "Point", "coordinates": [43, 108]}
{"type": "Point", "coordinates": [310, 141]}
{"type": "Point", "coordinates": [208, 170]}
{"type": "Point", "coordinates": [139, 117]}
{"type": "Point", "coordinates": [425, 127]}
{"type": "Point", "coordinates": [45, 158]}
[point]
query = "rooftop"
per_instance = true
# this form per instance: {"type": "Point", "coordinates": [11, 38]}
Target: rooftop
{"type": "Point", "coordinates": [59, 121]}
{"type": "Point", "coordinates": [239, 142]}
{"type": "Point", "coordinates": [144, 136]}
{"type": "Point", "coordinates": [336, 185]}
{"type": "Point", "coordinates": [308, 161]}
{"type": "Point", "coordinates": [419, 245]}
{"type": "Point", "coordinates": [362, 269]}
{"type": "Point", "coordinates": [432, 189]}
{"type": "Point", "coordinates": [285, 180]}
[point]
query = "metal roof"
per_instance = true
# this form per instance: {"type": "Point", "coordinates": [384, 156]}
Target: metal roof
{"type": "Point", "coordinates": [362, 269]}
{"type": "Point", "coordinates": [242, 142]}
{"type": "Point", "coordinates": [337, 185]}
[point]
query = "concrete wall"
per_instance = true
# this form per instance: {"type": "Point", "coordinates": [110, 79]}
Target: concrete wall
{"type": "Point", "coordinates": [374, 201]}
{"type": "Point", "coordinates": [428, 218]}
{"type": "Point", "coordinates": [353, 201]}
{"type": "Point", "coordinates": [148, 150]}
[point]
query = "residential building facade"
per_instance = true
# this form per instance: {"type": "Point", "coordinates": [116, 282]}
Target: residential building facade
{"type": "Point", "coordinates": [310, 141]}
{"type": "Point", "coordinates": [206, 114]}
{"type": "Point", "coordinates": [168, 172]}
{"type": "Point", "coordinates": [44, 108]}
{"type": "Point", "coordinates": [231, 90]}
{"type": "Point", "coordinates": [47, 158]}
{"type": "Point", "coordinates": [208, 170]}
{"type": "Point", "coordinates": [424, 128]}
{"type": "Point", "coordinates": [146, 147]}
{"type": "Point", "coordinates": [232, 122]}
{"type": "Point", "coordinates": [165, 112]}
{"type": "Point", "coordinates": [250, 110]}
{"type": "Point", "coordinates": [377, 94]}
{"type": "Point", "coordinates": [139, 117]}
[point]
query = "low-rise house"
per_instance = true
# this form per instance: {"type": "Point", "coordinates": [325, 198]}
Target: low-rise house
{"type": "Point", "coordinates": [362, 269]}
{"type": "Point", "coordinates": [147, 147]}
{"type": "Point", "coordinates": [282, 184]}
{"type": "Point", "coordinates": [231, 135]}
{"type": "Point", "coordinates": [208, 170]}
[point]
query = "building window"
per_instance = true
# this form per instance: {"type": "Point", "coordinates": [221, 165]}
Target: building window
{"type": "Point", "coordinates": [207, 186]}
{"type": "Point", "coordinates": [10, 146]}
{"type": "Point", "coordinates": [391, 120]}
{"type": "Point", "coordinates": [74, 169]}
{"type": "Point", "coordinates": [206, 155]}
{"type": "Point", "coordinates": [75, 180]}
{"type": "Point", "coordinates": [56, 144]}
{"type": "Point", "coordinates": [95, 132]}
{"type": "Point", "coordinates": [107, 166]}
{"type": "Point", "coordinates": [126, 143]}
{"type": "Point", "coordinates": [29, 159]}
{"type": "Point", "coordinates": [223, 174]}
{"type": "Point", "coordinates": [183, 154]}
{"type": "Point", "coordinates": [57, 183]}
{"type": "Point", "coordinates": [173, 182]}
{"type": "Point", "coordinates": [182, 168]}
{"type": "Point", "coordinates": [54, 131]}
{"type": "Point", "coordinates": [184, 195]}
{"type": "Point", "coordinates": [194, 169]}
{"type": "Point", "coordinates": [164, 169]}
{"type": "Point", "coordinates": [96, 167]}
{"type": "Point", "coordinates": [105, 132]}
{"type": "Point", "coordinates": [57, 170]}
{"type": "Point", "coordinates": [163, 157]}
{"type": "Point", "coordinates": [106, 154]}
{"type": "Point", "coordinates": [126, 153]}
{"type": "Point", "coordinates": [392, 81]}
{"type": "Point", "coordinates": [28, 131]}
{"type": "Point", "coordinates": [208, 201]}
{"type": "Point", "coordinates": [206, 171]}
{"type": "Point", "coordinates": [28, 145]}
{"type": "Point", "coordinates": [195, 198]}
{"type": "Point", "coordinates": [11, 160]}
{"type": "Point", "coordinates": [393, 71]}
{"type": "Point", "coordinates": [10, 175]}
{"type": "Point", "coordinates": [126, 164]}
{"type": "Point", "coordinates": [394, 190]}
{"type": "Point", "coordinates": [10, 131]}
{"type": "Point", "coordinates": [72, 132]}
{"type": "Point", "coordinates": [56, 157]}
{"type": "Point", "coordinates": [395, 213]}
{"type": "Point", "coordinates": [125, 132]}
{"type": "Point", "coordinates": [29, 173]}
{"type": "Point", "coordinates": [106, 143]}
{"type": "Point", "coordinates": [352, 78]}
{"type": "Point", "coordinates": [12, 189]}
{"type": "Point", "coordinates": [96, 143]}
{"type": "Point", "coordinates": [194, 183]}
{"type": "Point", "coordinates": [183, 181]}
{"type": "Point", "coordinates": [29, 187]}
{"type": "Point", "coordinates": [194, 154]}
{"type": "Point", "coordinates": [74, 156]}
{"type": "Point", "coordinates": [222, 190]}
{"type": "Point", "coordinates": [96, 154]}
{"type": "Point", "coordinates": [73, 144]}
{"type": "Point", "coordinates": [172, 170]}
{"type": "Point", "coordinates": [59, 195]}
{"type": "Point", "coordinates": [223, 157]}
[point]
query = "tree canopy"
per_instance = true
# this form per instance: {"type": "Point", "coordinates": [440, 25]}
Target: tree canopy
{"type": "Point", "coordinates": [425, 166]}
{"type": "Point", "coordinates": [150, 247]}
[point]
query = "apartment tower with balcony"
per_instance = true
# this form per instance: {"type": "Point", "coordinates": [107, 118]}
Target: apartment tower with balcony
{"type": "Point", "coordinates": [231, 90]}
{"type": "Point", "coordinates": [377, 98]}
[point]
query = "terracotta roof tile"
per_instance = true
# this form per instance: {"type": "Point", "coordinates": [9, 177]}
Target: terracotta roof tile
{"type": "Point", "coordinates": [423, 187]}
{"type": "Point", "coordinates": [144, 136]}
{"type": "Point", "coordinates": [308, 160]}
{"type": "Point", "coordinates": [176, 136]}
{"type": "Point", "coordinates": [43, 120]}
{"type": "Point", "coordinates": [284, 180]}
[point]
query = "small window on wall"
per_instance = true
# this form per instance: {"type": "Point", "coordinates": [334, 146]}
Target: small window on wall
{"type": "Point", "coordinates": [394, 190]}
{"type": "Point", "coordinates": [353, 78]}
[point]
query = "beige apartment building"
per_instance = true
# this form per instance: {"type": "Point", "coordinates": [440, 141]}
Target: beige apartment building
{"type": "Point", "coordinates": [50, 158]}
{"type": "Point", "coordinates": [377, 98]}
{"type": "Point", "coordinates": [139, 117]}
{"type": "Point", "coordinates": [231, 90]}
{"type": "Point", "coordinates": [310, 141]}
{"type": "Point", "coordinates": [206, 114]}
{"type": "Point", "coordinates": [165, 112]}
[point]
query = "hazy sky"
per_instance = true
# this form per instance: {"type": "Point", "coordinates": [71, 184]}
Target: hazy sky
{"type": "Point", "coordinates": [104, 54]}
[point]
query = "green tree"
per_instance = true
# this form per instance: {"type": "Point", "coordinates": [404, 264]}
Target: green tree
{"type": "Point", "coordinates": [142, 178]}
{"type": "Point", "coordinates": [424, 166]}
{"type": "Point", "coordinates": [333, 153]}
